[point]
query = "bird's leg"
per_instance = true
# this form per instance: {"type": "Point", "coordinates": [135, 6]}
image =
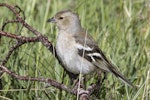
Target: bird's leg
{"type": "Point", "coordinates": [82, 94]}
{"type": "Point", "coordinates": [78, 83]}
{"type": "Point", "coordinates": [98, 83]}
{"type": "Point", "coordinates": [99, 77]}
{"type": "Point", "coordinates": [104, 77]}
{"type": "Point", "coordinates": [71, 76]}
{"type": "Point", "coordinates": [94, 88]}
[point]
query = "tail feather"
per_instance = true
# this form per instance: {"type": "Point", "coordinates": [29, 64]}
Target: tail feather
{"type": "Point", "coordinates": [107, 66]}
{"type": "Point", "coordinates": [122, 78]}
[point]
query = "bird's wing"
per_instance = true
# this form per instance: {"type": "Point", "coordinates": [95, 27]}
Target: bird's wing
{"type": "Point", "coordinates": [89, 49]}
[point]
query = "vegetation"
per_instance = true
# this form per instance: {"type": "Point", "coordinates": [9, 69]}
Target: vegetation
{"type": "Point", "coordinates": [121, 28]}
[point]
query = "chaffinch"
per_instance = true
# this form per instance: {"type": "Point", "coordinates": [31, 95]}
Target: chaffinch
{"type": "Point", "coordinates": [78, 50]}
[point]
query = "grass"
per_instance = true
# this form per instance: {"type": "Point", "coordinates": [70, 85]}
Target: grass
{"type": "Point", "coordinates": [121, 28]}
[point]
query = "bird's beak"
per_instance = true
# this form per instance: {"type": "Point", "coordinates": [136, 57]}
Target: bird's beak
{"type": "Point", "coordinates": [52, 20]}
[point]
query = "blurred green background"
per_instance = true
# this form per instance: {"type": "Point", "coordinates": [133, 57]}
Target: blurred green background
{"type": "Point", "coordinates": [121, 28]}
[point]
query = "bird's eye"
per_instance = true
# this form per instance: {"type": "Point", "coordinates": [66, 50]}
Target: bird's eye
{"type": "Point", "coordinates": [60, 17]}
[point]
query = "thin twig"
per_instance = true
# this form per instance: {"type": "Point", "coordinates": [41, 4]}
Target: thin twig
{"type": "Point", "coordinates": [7, 22]}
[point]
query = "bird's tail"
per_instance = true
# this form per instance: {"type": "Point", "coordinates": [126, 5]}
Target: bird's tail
{"type": "Point", "coordinates": [120, 76]}
{"type": "Point", "coordinates": [107, 66]}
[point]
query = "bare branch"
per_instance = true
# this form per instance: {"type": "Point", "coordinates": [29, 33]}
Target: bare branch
{"type": "Point", "coordinates": [50, 81]}
{"type": "Point", "coordinates": [20, 38]}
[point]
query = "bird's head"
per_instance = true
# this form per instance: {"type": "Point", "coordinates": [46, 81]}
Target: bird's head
{"type": "Point", "coordinates": [66, 20]}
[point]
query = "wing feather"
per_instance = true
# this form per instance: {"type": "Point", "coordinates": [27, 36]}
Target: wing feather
{"type": "Point", "coordinates": [89, 49]}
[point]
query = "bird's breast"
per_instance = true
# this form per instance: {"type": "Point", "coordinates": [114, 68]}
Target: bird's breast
{"type": "Point", "coordinates": [65, 47]}
{"type": "Point", "coordinates": [68, 53]}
